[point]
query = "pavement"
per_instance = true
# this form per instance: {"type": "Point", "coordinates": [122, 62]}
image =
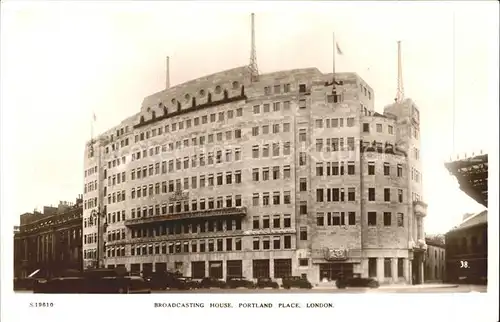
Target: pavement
{"type": "Point", "coordinates": [423, 288]}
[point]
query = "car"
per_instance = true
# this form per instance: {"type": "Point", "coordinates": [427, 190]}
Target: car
{"type": "Point", "coordinates": [189, 282]}
{"type": "Point", "coordinates": [209, 282]}
{"type": "Point", "coordinates": [238, 281]}
{"type": "Point", "coordinates": [266, 282]}
{"type": "Point", "coordinates": [94, 284]}
{"type": "Point", "coordinates": [296, 281]}
{"type": "Point", "coordinates": [355, 280]}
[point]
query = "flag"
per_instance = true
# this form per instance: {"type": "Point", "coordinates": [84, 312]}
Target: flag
{"type": "Point", "coordinates": [338, 49]}
{"type": "Point", "coordinates": [94, 117]}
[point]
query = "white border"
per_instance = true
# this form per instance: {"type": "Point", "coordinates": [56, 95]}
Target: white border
{"type": "Point", "coordinates": [389, 307]}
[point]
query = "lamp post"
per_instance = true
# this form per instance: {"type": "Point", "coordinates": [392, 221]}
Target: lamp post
{"type": "Point", "coordinates": [95, 217]}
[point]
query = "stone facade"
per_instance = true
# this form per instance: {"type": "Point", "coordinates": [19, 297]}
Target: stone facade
{"type": "Point", "coordinates": [294, 174]}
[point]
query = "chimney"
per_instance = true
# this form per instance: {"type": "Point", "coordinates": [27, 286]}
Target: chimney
{"type": "Point", "coordinates": [167, 81]}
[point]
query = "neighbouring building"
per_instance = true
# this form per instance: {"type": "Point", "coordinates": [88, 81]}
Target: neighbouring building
{"type": "Point", "coordinates": [467, 244]}
{"type": "Point", "coordinates": [435, 262]}
{"type": "Point", "coordinates": [467, 250]}
{"type": "Point", "coordinates": [49, 241]}
{"type": "Point", "coordinates": [291, 173]}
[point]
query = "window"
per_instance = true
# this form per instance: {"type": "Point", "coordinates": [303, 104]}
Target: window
{"type": "Point", "coordinates": [303, 184]}
{"type": "Point", "coordinates": [302, 104]}
{"type": "Point", "coordinates": [372, 267]}
{"type": "Point", "coordinates": [255, 199]}
{"type": "Point", "coordinates": [371, 168]}
{"type": "Point", "coordinates": [387, 194]}
{"type": "Point", "coordinates": [319, 169]}
{"type": "Point", "coordinates": [255, 151]}
{"type": "Point", "coordinates": [400, 195]}
{"type": "Point", "coordinates": [287, 241]}
{"type": "Point", "coordinates": [319, 123]}
{"type": "Point", "coordinates": [276, 106]}
{"type": "Point", "coordinates": [302, 158]}
{"type": "Point", "coordinates": [371, 194]}
{"type": "Point", "coordinates": [387, 268]}
{"type": "Point", "coordinates": [387, 169]}
{"type": "Point", "coordinates": [303, 233]}
{"type": "Point", "coordinates": [352, 218]}
{"type": "Point", "coordinates": [286, 197]}
{"type": "Point", "coordinates": [387, 218]}
{"type": "Point", "coordinates": [276, 128]}
{"type": "Point", "coordinates": [256, 109]}
{"type": "Point", "coordinates": [400, 219]}
{"type": "Point", "coordinates": [276, 173]}
{"type": "Point", "coordinates": [303, 208]}
{"type": "Point", "coordinates": [286, 148]}
{"type": "Point", "coordinates": [260, 268]}
{"type": "Point", "coordinates": [286, 127]}
{"type": "Point", "coordinates": [256, 223]}
{"type": "Point", "coordinates": [286, 172]}
{"type": "Point", "coordinates": [255, 174]}
{"type": "Point", "coordinates": [372, 218]}
{"type": "Point", "coordinates": [276, 242]}
{"type": "Point", "coordinates": [319, 195]}
{"type": "Point", "coordinates": [350, 121]}
{"type": "Point", "coordinates": [276, 198]}
{"type": "Point", "coordinates": [320, 219]}
{"type": "Point", "coordinates": [400, 170]}
{"type": "Point", "coordinates": [351, 194]}
{"type": "Point", "coordinates": [255, 131]}
{"type": "Point", "coordinates": [390, 129]}
{"type": "Point", "coordinates": [366, 127]}
{"type": "Point", "coordinates": [303, 262]}
{"type": "Point", "coordinates": [276, 149]}
{"type": "Point", "coordinates": [350, 168]}
{"type": "Point", "coordinates": [379, 128]}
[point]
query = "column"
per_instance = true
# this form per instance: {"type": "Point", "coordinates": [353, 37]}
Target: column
{"type": "Point", "coordinates": [224, 269]}
{"type": "Point", "coordinates": [394, 269]}
{"type": "Point", "coordinates": [364, 267]}
{"type": "Point", "coordinates": [271, 268]}
{"type": "Point", "coordinates": [207, 268]}
{"type": "Point", "coordinates": [421, 263]}
{"type": "Point", "coordinates": [380, 269]}
{"type": "Point", "coordinates": [407, 270]}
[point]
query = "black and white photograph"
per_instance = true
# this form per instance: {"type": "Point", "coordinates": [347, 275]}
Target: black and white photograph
{"type": "Point", "coordinates": [297, 156]}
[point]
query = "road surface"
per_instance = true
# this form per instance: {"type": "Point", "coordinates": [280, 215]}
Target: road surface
{"type": "Point", "coordinates": [400, 289]}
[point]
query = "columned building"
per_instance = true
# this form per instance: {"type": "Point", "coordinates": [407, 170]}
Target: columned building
{"type": "Point", "coordinates": [288, 175]}
{"type": "Point", "coordinates": [49, 242]}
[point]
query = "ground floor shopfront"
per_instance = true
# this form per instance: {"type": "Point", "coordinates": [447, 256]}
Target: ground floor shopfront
{"type": "Point", "coordinates": [387, 267]}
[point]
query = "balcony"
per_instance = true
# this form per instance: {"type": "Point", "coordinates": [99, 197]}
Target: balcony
{"type": "Point", "coordinates": [223, 212]}
{"type": "Point", "coordinates": [420, 208]}
{"type": "Point", "coordinates": [419, 246]}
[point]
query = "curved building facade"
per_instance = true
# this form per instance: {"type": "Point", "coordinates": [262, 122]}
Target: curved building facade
{"type": "Point", "coordinates": [221, 176]}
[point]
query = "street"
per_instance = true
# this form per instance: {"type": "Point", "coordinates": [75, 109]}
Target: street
{"type": "Point", "coordinates": [437, 288]}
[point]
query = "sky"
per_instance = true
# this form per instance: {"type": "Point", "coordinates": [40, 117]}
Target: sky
{"type": "Point", "coordinates": [63, 61]}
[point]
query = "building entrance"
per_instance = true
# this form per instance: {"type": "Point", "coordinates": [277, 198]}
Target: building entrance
{"type": "Point", "coordinates": [331, 271]}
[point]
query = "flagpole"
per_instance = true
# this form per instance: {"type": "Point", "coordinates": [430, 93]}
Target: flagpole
{"type": "Point", "coordinates": [333, 58]}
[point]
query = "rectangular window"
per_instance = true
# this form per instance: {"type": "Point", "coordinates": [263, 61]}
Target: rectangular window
{"type": "Point", "coordinates": [387, 194]}
{"type": "Point", "coordinates": [320, 219]}
{"type": "Point", "coordinates": [352, 218]}
{"type": "Point", "coordinates": [351, 194]}
{"type": "Point", "coordinates": [303, 208]}
{"type": "Point", "coordinates": [387, 268]}
{"type": "Point", "coordinates": [400, 195]}
{"type": "Point", "coordinates": [303, 184]}
{"type": "Point", "coordinates": [319, 195]}
{"type": "Point", "coordinates": [372, 267]}
{"type": "Point", "coordinates": [372, 218]}
{"type": "Point", "coordinates": [400, 219]}
{"type": "Point", "coordinates": [387, 218]}
{"type": "Point", "coordinates": [366, 127]}
{"type": "Point", "coordinates": [400, 170]}
{"type": "Point", "coordinates": [371, 194]}
{"type": "Point", "coordinates": [400, 267]}
{"type": "Point", "coordinates": [387, 169]}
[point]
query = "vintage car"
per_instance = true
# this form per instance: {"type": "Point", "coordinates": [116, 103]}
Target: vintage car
{"type": "Point", "coordinates": [209, 282]}
{"type": "Point", "coordinates": [238, 281]}
{"type": "Point", "coordinates": [266, 282]}
{"type": "Point", "coordinates": [94, 284]}
{"type": "Point", "coordinates": [296, 282]}
{"type": "Point", "coordinates": [356, 281]}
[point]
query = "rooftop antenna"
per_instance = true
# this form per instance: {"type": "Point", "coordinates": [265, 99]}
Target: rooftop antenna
{"type": "Point", "coordinates": [167, 80]}
{"type": "Point", "coordinates": [254, 70]}
{"type": "Point", "coordinates": [400, 93]}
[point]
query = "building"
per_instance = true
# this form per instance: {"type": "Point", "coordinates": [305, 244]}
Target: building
{"type": "Point", "coordinates": [467, 244]}
{"type": "Point", "coordinates": [435, 262]}
{"type": "Point", "coordinates": [223, 176]}
{"type": "Point", "coordinates": [49, 241]}
{"type": "Point", "coordinates": [467, 250]}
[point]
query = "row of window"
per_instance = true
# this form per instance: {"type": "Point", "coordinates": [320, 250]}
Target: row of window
{"type": "Point", "coordinates": [116, 179]}
{"type": "Point", "coordinates": [276, 198]}
{"type": "Point", "coordinates": [415, 175]}
{"type": "Point", "coordinates": [387, 195]}
{"type": "Point", "coordinates": [116, 146]}
{"type": "Point", "coordinates": [211, 203]}
{"type": "Point", "coordinates": [186, 143]}
{"type": "Point", "coordinates": [379, 128]}
{"type": "Point", "coordinates": [334, 168]}
{"type": "Point", "coordinates": [335, 145]}
{"type": "Point", "coordinates": [265, 221]}
{"type": "Point", "coordinates": [256, 149]}
{"type": "Point", "coordinates": [196, 226]}
{"type": "Point", "coordinates": [334, 123]}
{"type": "Point", "coordinates": [275, 174]}
{"type": "Point", "coordinates": [186, 163]}
{"type": "Point", "coordinates": [275, 128]}
{"type": "Point", "coordinates": [276, 107]}
{"type": "Point", "coordinates": [90, 186]}
{"type": "Point", "coordinates": [90, 238]}
{"type": "Point", "coordinates": [196, 121]}
{"type": "Point", "coordinates": [372, 267]}
{"type": "Point", "coordinates": [335, 194]}
{"type": "Point", "coordinates": [90, 171]}
{"type": "Point", "coordinates": [90, 203]}
{"type": "Point", "coordinates": [114, 197]}
{"type": "Point", "coordinates": [209, 180]}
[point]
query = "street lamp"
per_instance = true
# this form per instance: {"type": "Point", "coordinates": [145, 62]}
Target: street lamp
{"type": "Point", "coordinates": [95, 216]}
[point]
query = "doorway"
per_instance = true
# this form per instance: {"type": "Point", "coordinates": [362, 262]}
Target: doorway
{"type": "Point", "coordinates": [331, 271]}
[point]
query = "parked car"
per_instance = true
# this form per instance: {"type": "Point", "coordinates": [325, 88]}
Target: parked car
{"type": "Point", "coordinates": [297, 282]}
{"type": "Point", "coordinates": [189, 282]}
{"type": "Point", "coordinates": [266, 282]}
{"type": "Point", "coordinates": [356, 281]}
{"type": "Point", "coordinates": [209, 282]}
{"type": "Point", "coordinates": [27, 283]}
{"type": "Point", "coordinates": [94, 284]}
{"type": "Point", "coordinates": [238, 281]}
